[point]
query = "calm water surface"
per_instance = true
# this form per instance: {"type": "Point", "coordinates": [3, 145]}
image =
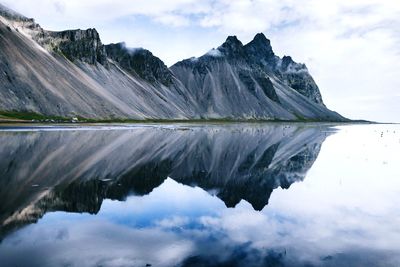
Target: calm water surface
{"type": "Point", "coordinates": [200, 195]}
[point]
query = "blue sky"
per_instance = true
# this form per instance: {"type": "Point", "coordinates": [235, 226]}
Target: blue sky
{"type": "Point", "coordinates": [352, 48]}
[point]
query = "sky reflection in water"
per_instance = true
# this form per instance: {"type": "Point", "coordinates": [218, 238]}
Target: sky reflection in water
{"type": "Point", "coordinates": [344, 213]}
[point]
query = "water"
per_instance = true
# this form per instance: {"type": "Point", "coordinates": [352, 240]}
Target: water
{"type": "Point", "coordinates": [197, 195]}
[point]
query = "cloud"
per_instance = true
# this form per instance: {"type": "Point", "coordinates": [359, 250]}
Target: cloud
{"type": "Point", "coordinates": [214, 53]}
{"type": "Point", "coordinates": [171, 12]}
{"type": "Point", "coordinates": [174, 20]}
{"type": "Point", "coordinates": [173, 222]}
{"type": "Point", "coordinates": [59, 7]}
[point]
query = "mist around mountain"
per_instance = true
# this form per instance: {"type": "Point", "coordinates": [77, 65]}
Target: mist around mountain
{"type": "Point", "coordinates": [72, 73]}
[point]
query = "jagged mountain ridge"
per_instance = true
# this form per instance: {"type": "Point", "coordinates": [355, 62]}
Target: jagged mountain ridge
{"type": "Point", "coordinates": [219, 77]}
{"type": "Point", "coordinates": [140, 61]}
{"type": "Point", "coordinates": [72, 73]}
{"type": "Point", "coordinates": [42, 72]}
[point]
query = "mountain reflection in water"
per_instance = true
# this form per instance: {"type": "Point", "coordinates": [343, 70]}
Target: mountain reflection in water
{"type": "Point", "coordinates": [196, 196]}
{"type": "Point", "coordinates": [75, 171]}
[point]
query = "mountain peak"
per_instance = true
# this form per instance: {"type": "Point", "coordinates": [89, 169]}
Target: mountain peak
{"type": "Point", "coordinates": [260, 38]}
{"type": "Point", "coordinates": [233, 40]}
{"type": "Point", "coordinates": [141, 62]}
{"type": "Point", "coordinates": [232, 47]}
{"type": "Point", "coordinates": [286, 61]}
{"type": "Point", "coordinates": [260, 45]}
{"type": "Point", "coordinates": [259, 50]}
{"type": "Point", "coordinates": [77, 44]}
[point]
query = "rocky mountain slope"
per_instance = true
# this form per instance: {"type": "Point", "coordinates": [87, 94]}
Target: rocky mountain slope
{"type": "Point", "coordinates": [71, 73]}
{"type": "Point", "coordinates": [250, 80]}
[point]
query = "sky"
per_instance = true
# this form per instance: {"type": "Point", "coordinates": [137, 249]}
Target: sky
{"type": "Point", "coordinates": [351, 48]}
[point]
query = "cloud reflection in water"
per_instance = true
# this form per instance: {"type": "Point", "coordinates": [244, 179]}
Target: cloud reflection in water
{"type": "Point", "coordinates": [326, 220]}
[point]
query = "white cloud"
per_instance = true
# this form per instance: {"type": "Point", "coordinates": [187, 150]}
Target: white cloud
{"type": "Point", "coordinates": [214, 53]}
{"type": "Point", "coordinates": [105, 10]}
{"type": "Point", "coordinates": [352, 48]}
{"type": "Point", "coordinates": [173, 222]}
{"type": "Point", "coordinates": [173, 20]}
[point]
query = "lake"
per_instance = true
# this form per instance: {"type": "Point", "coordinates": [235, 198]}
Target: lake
{"type": "Point", "coordinates": [267, 194]}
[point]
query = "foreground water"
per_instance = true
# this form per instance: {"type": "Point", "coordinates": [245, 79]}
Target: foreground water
{"type": "Point", "coordinates": [196, 195]}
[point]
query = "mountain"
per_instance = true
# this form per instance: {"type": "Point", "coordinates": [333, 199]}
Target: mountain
{"type": "Point", "coordinates": [68, 74]}
{"type": "Point", "coordinates": [40, 173]}
{"type": "Point", "coordinates": [250, 80]}
{"type": "Point", "coordinates": [72, 73]}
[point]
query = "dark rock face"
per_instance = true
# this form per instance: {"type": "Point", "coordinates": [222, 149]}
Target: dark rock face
{"type": "Point", "coordinates": [297, 76]}
{"type": "Point", "coordinates": [232, 48]}
{"type": "Point", "coordinates": [141, 62]}
{"type": "Point", "coordinates": [261, 80]}
{"type": "Point", "coordinates": [259, 51]}
{"type": "Point", "coordinates": [267, 87]}
{"type": "Point", "coordinates": [83, 45]}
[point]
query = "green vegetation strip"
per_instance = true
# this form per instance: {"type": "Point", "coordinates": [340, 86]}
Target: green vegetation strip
{"type": "Point", "coordinates": [29, 116]}
{"type": "Point", "coordinates": [6, 116]}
